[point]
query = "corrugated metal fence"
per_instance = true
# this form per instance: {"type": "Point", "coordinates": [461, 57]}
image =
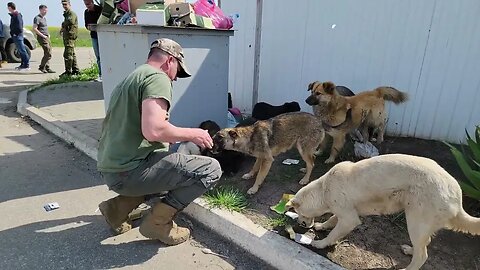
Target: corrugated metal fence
{"type": "Point", "coordinates": [429, 49]}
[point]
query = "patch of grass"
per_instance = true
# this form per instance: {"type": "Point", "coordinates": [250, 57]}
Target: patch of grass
{"type": "Point", "coordinates": [83, 39]}
{"type": "Point", "coordinates": [278, 221]}
{"type": "Point", "coordinates": [87, 74]}
{"type": "Point", "coordinates": [228, 198]}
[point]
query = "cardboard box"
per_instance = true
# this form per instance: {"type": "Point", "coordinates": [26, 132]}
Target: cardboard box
{"type": "Point", "coordinates": [182, 13]}
{"type": "Point", "coordinates": [204, 22]}
{"type": "Point", "coordinates": [151, 17]}
{"type": "Point", "coordinates": [135, 4]}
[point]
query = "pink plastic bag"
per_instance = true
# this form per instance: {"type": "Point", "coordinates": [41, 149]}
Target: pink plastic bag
{"type": "Point", "coordinates": [208, 8]}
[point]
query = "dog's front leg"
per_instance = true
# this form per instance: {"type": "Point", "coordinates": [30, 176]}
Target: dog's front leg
{"type": "Point", "coordinates": [337, 145]}
{"type": "Point", "coordinates": [344, 225]}
{"type": "Point", "coordinates": [330, 223]}
{"type": "Point", "coordinates": [262, 173]}
{"type": "Point", "coordinates": [254, 170]}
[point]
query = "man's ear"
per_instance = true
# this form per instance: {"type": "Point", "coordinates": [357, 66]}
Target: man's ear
{"type": "Point", "coordinates": [328, 87]}
{"type": "Point", "coordinates": [233, 134]}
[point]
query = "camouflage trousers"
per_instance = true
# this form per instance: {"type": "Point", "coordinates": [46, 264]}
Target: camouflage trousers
{"type": "Point", "coordinates": [69, 57]}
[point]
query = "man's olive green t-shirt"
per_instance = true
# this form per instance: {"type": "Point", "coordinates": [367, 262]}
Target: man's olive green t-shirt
{"type": "Point", "coordinates": [122, 146]}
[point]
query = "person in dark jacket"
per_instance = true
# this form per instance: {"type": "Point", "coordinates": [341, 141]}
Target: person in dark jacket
{"type": "Point", "coordinates": [16, 31]}
{"type": "Point", "coordinates": [2, 50]}
{"type": "Point", "coordinates": [91, 15]}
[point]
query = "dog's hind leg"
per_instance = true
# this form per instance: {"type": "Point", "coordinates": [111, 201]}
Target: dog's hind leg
{"type": "Point", "coordinates": [254, 170]}
{"type": "Point", "coordinates": [309, 158]}
{"type": "Point", "coordinates": [420, 235]}
{"type": "Point", "coordinates": [365, 133]}
{"type": "Point", "coordinates": [381, 131]}
{"type": "Point", "coordinates": [347, 221]}
{"type": "Point", "coordinates": [262, 173]}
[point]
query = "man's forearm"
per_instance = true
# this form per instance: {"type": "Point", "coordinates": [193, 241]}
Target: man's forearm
{"type": "Point", "coordinates": [35, 29]}
{"type": "Point", "coordinates": [166, 132]}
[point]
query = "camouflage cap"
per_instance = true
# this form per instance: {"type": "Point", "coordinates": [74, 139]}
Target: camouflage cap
{"type": "Point", "coordinates": [66, 1]}
{"type": "Point", "coordinates": [174, 49]}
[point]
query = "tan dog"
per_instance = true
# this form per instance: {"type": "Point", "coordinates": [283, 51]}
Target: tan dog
{"type": "Point", "coordinates": [266, 139]}
{"type": "Point", "coordinates": [368, 110]}
{"type": "Point", "coordinates": [386, 184]}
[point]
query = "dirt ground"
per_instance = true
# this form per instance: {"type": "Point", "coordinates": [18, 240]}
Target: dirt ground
{"type": "Point", "coordinates": [376, 243]}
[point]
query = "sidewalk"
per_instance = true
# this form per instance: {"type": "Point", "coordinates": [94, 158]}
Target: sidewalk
{"type": "Point", "coordinates": [75, 112]}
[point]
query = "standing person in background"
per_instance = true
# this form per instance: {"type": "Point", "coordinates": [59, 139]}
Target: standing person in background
{"type": "Point", "coordinates": [70, 32]}
{"type": "Point", "coordinates": [41, 29]}
{"type": "Point", "coordinates": [2, 50]}
{"type": "Point", "coordinates": [91, 15]}
{"type": "Point", "coordinates": [16, 31]}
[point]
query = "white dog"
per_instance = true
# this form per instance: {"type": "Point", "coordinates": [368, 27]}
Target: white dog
{"type": "Point", "coordinates": [430, 197]}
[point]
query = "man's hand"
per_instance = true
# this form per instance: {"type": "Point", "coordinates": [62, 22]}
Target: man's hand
{"type": "Point", "coordinates": [202, 138]}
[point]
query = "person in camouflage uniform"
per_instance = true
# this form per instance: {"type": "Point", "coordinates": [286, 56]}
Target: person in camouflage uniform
{"type": "Point", "coordinates": [70, 32]}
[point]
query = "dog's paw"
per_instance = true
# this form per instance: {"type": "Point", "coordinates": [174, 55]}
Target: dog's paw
{"type": "Point", "coordinates": [252, 190]}
{"type": "Point", "coordinates": [304, 181]}
{"type": "Point", "coordinates": [303, 170]}
{"type": "Point", "coordinates": [320, 244]}
{"type": "Point", "coordinates": [407, 250]}
{"type": "Point", "coordinates": [247, 176]}
{"type": "Point", "coordinates": [319, 226]}
{"type": "Point", "coordinates": [330, 160]}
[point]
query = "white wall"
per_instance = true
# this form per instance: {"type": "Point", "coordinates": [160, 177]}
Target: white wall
{"type": "Point", "coordinates": [428, 49]}
{"type": "Point", "coordinates": [242, 49]}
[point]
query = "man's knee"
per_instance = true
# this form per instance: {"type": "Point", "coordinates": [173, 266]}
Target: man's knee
{"type": "Point", "coordinates": [215, 172]}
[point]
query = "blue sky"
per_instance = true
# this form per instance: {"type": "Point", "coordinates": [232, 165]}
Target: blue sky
{"type": "Point", "coordinates": [29, 9]}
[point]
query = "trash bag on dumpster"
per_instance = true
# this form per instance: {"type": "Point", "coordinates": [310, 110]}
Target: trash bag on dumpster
{"type": "Point", "coordinates": [208, 8]}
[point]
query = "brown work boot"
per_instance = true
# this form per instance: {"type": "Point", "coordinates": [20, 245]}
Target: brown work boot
{"type": "Point", "coordinates": [116, 211]}
{"type": "Point", "coordinates": [159, 225]}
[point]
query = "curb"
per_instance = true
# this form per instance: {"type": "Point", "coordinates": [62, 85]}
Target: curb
{"type": "Point", "coordinates": [268, 246]}
{"type": "Point", "coordinates": [65, 132]}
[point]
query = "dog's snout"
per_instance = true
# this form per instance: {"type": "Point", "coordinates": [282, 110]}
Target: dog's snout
{"type": "Point", "coordinates": [311, 100]}
{"type": "Point", "coordinates": [218, 144]}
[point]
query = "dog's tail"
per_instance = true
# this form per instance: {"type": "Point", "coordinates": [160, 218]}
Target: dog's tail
{"type": "Point", "coordinates": [391, 94]}
{"type": "Point", "coordinates": [463, 222]}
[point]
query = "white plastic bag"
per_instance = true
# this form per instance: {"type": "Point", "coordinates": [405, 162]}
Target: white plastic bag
{"type": "Point", "coordinates": [365, 150]}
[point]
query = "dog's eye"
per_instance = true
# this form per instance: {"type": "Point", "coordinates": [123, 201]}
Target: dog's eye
{"type": "Point", "coordinates": [317, 93]}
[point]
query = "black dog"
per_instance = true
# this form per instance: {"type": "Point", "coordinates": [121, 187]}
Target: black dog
{"type": "Point", "coordinates": [344, 91]}
{"type": "Point", "coordinates": [230, 161]}
{"type": "Point", "coordinates": [264, 111]}
{"type": "Point", "coordinates": [210, 126]}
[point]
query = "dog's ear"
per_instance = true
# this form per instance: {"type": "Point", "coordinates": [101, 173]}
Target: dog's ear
{"type": "Point", "coordinates": [310, 86]}
{"type": "Point", "coordinates": [328, 87]}
{"type": "Point", "coordinates": [233, 134]}
{"type": "Point", "coordinates": [292, 204]}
